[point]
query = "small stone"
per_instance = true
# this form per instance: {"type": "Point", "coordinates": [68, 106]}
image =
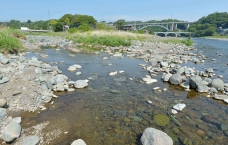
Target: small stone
{"type": "Point", "coordinates": [17, 119]}
{"type": "Point", "coordinates": [121, 71]}
{"type": "Point", "coordinates": [179, 107]}
{"type": "Point", "coordinates": [78, 73]}
{"type": "Point", "coordinates": [78, 142]}
{"type": "Point", "coordinates": [173, 111]}
{"type": "Point", "coordinates": [2, 103]}
{"type": "Point", "coordinates": [112, 73]}
{"type": "Point", "coordinates": [200, 132]}
{"type": "Point", "coordinates": [32, 140]}
{"type": "Point", "coordinates": [105, 58]}
{"type": "Point", "coordinates": [150, 102]}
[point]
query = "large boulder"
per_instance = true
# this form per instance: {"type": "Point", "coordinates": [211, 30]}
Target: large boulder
{"type": "Point", "coordinates": [81, 84]}
{"type": "Point", "coordinates": [218, 84]}
{"type": "Point", "coordinates": [11, 131]}
{"type": "Point", "coordinates": [195, 81]}
{"type": "Point", "coordinates": [31, 140]}
{"type": "Point", "coordinates": [176, 79]}
{"type": "Point", "coordinates": [152, 136]}
{"type": "Point", "coordinates": [78, 142]}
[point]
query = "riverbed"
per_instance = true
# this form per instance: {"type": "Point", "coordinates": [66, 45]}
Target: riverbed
{"type": "Point", "coordinates": [114, 110]}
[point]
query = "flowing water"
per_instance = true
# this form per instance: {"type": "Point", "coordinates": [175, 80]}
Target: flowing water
{"type": "Point", "coordinates": [114, 110]}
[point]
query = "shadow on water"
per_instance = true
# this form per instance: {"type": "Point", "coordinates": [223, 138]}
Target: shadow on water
{"type": "Point", "coordinates": [114, 110]}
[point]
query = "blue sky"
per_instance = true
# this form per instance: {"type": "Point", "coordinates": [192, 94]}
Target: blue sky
{"type": "Point", "coordinates": [104, 10]}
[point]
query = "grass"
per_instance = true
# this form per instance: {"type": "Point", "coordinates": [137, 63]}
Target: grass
{"type": "Point", "coordinates": [187, 42]}
{"type": "Point", "coordinates": [9, 42]}
{"type": "Point", "coordinates": [106, 38]}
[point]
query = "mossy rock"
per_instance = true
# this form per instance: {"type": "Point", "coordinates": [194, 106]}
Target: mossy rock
{"type": "Point", "coordinates": [161, 120]}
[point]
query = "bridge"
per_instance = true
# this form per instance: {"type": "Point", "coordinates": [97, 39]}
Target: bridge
{"type": "Point", "coordinates": [169, 26]}
{"type": "Point", "coordinates": [176, 33]}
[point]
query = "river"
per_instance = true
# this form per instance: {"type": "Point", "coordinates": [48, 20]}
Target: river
{"type": "Point", "coordinates": [114, 110]}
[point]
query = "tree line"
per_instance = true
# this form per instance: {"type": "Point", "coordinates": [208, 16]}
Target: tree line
{"type": "Point", "coordinates": [205, 26]}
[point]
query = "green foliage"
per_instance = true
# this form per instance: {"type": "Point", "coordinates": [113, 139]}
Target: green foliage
{"type": "Point", "coordinates": [84, 28]}
{"type": "Point", "coordinates": [140, 31]}
{"type": "Point", "coordinates": [103, 26]}
{"type": "Point", "coordinates": [9, 43]}
{"type": "Point", "coordinates": [101, 40]}
{"type": "Point", "coordinates": [78, 20]}
{"type": "Point", "coordinates": [66, 19]}
{"type": "Point", "coordinates": [73, 30]}
{"type": "Point", "coordinates": [58, 27]}
{"type": "Point", "coordinates": [187, 42]}
{"type": "Point", "coordinates": [207, 26]}
{"type": "Point", "coordinates": [119, 24]}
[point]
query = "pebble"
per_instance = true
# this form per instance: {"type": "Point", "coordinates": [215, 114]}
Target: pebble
{"type": "Point", "coordinates": [179, 107]}
{"type": "Point", "coordinates": [150, 102]}
{"type": "Point", "coordinates": [112, 73]}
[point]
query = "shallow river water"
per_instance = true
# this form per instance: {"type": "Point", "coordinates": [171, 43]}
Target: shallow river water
{"type": "Point", "coordinates": [114, 110]}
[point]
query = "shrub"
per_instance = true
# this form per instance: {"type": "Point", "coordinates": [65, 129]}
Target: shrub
{"type": "Point", "coordinates": [72, 30]}
{"type": "Point", "coordinates": [84, 27]}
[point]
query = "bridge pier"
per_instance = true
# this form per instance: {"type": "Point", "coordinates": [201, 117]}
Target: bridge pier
{"type": "Point", "coordinates": [176, 26]}
{"type": "Point", "coordinates": [176, 34]}
{"type": "Point", "coordinates": [188, 26]}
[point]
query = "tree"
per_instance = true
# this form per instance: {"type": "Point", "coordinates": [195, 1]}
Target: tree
{"type": "Point", "coordinates": [78, 20]}
{"type": "Point", "coordinates": [119, 24]}
{"type": "Point", "coordinates": [15, 24]}
{"type": "Point", "coordinates": [66, 19]}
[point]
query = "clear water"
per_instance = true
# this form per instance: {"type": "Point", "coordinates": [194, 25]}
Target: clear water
{"type": "Point", "coordinates": [110, 112]}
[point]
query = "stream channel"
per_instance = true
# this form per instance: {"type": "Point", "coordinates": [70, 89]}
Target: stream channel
{"type": "Point", "coordinates": [113, 110]}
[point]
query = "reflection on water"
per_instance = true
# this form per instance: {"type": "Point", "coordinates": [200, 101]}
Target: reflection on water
{"type": "Point", "coordinates": [116, 112]}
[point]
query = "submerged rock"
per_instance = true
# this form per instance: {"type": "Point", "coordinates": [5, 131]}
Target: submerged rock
{"type": "Point", "coordinates": [161, 120]}
{"type": "Point", "coordinates": [152, 136]}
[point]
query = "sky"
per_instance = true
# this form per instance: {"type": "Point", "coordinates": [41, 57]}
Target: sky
{"type": "Point", "coordinates": [111, 11]}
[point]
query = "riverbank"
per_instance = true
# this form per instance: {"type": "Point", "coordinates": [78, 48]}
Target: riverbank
{"type": "Point", "coordinates": [29, 78]}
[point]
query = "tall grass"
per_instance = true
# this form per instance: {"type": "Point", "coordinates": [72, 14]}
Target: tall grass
{"type": "Point", "coordinates": [8, 41]}
{"type": "Point", "coordinates": [106, 38]}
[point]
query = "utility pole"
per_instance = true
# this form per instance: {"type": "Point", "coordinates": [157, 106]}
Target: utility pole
{"type": "Point", "coordinates": [48, 20]}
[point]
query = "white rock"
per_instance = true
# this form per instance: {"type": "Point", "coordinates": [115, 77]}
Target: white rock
{"type": "Point", "coordinates": [105, 58]}
{"type": "Point", "coordinates": [156, 88]}
{"type": "Point", "coordinates": [17, 119]}
{"type": "Point", "coordinates": [150, 102]}
{"type": "Point", "coordinates": [78, 73]}
{"type": "Point", "coordinates": [173, 111]}
{"type": "Point", "coordinates": [164, 89]}
{"type": "Point", "coordinates": [80, 84]}
{"type": "Point", "coordinates": [112, 73]}
{"type": "Point", "coordinates": [78, 142]}
{"type": "Point", "coordinates": [152, 136]}
{"type": "Point", "coordinates": [121, 71]}
{"type": "Point", "coordinates": [149, 80]}
{"type": "Point", "coordinates": [179, 107]}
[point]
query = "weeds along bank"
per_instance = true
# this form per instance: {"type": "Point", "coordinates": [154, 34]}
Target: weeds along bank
{"type": "Point", "coordinates": [9, 41]}
{"type": "Point", "coordinates": [95, 40]}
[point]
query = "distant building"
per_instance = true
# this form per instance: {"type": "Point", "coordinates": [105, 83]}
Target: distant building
{"type": "Point", "coordinates": [24, 29]}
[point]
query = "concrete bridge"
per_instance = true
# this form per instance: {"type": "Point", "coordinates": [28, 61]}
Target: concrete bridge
{"type": "Point", "coordinates": [169, 26]}
{"type": "Point", "coordinates": [176, 33]}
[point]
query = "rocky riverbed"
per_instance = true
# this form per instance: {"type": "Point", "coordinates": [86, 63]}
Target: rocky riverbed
{"type": "Point", "coordinates": [28, 84]}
